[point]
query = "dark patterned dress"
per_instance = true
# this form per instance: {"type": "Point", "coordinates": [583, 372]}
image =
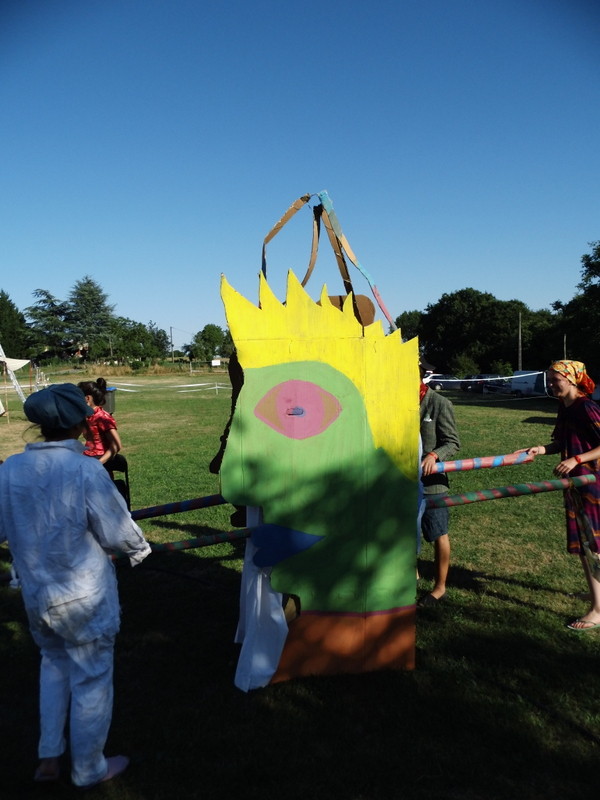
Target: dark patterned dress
{"type": "Point", "coordinates": [578, 431]}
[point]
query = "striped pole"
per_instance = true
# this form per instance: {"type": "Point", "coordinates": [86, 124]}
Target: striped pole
{"type": "Point", "coordinates": [448, 501]}
{"type": "Point", "coordinates": [202, 541]}
{"type": "Point", "coordinates": [191, 544]}
{"type": "Point", "coordinates": [177, 508]}
{"type": "Point", "coordinates": [485, 462]}
{"type": "Point", "coordinates": [516, 490]}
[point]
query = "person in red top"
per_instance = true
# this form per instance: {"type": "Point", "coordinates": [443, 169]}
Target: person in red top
{"type": "Point", "coordinates": [102, 440]}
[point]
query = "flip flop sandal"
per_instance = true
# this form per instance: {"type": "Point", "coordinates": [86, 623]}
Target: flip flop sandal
{"type": "Point", "coordinates": [429, 600]}
{"type": "Point", "coordinates": [585, 626]}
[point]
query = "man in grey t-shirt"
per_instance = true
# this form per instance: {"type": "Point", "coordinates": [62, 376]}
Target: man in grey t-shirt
{"type": "Point", "coordinates": [440, 441]}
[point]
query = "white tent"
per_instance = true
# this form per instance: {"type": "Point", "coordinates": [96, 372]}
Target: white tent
{"type": "Point", "coordinates": [10, 365]}
{"type": "Point", "coordinates": [14, 364]}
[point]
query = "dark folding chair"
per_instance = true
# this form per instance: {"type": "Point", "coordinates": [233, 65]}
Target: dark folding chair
{"type": "Point", "coordinates": [118, 463]}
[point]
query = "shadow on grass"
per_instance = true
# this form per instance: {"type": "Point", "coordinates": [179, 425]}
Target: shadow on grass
{"type": "Point", "coordinates": [545, 405]}
{"type": "Point", "coordinates": [477, 582]}
{"type": "Point", "coordinates": [498, 708]}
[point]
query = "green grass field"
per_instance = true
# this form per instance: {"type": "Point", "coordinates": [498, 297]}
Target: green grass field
{"type": "Point", "coordinates": [503, 704]}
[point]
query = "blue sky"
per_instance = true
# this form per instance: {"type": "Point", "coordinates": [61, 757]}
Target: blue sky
{"type": "Point", "coordinates": [152, 144]}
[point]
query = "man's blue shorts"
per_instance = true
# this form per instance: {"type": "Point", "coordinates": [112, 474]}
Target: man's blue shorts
{"type": "Point", "coordinates": [435, 521]}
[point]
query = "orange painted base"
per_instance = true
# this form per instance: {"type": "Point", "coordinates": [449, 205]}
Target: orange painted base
{"type": "Point", "coordinates": [329, 644]}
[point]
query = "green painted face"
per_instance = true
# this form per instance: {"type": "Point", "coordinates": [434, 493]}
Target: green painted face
{"type": "Point", "coordinates": [300, 447]}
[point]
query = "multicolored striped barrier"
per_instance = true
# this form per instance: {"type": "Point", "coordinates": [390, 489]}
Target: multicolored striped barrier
{"type": "Point", "coordinates": [198, 541]}
{"type": "Point", "coordinates": [516, 490]}
{"type": "Point", "coordinates": [177, 508]}
{"type": "Point", "coordinates": [485, 462]}
{"type": "Point", "coordinates": [203, 541]}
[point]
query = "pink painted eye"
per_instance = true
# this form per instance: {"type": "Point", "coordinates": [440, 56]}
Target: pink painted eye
{"type": "Point", "coordinates": [298, 409]}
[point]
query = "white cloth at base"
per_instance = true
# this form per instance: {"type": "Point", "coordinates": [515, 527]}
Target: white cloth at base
{"type": "Point", "coordinates": [262, 628]}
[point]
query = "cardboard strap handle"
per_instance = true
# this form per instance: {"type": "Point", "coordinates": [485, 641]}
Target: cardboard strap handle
{"type": "Point", "coordinates": [344, 246]}
{"type": "Point", "coordinates": [318, 212]}
{"type": "Point", "coordinates": [338, 242]}
{"type": "Point", "coordinates": [292, 210]}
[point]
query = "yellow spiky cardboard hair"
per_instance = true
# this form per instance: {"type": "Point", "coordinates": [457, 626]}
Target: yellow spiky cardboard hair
{"type": "Point", "coordinates": [383, 368]}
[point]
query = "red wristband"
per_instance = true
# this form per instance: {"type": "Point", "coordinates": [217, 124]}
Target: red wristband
{"type": "Point", "coordinates": [434, 455]}
{"type": "Point", "coordinates": [577, 459]}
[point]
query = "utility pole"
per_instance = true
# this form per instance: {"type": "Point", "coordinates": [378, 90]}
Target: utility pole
{"type": "Point", "coordinates": [172, 353]}
{"type": "Point", "coordinates": [520, 353]}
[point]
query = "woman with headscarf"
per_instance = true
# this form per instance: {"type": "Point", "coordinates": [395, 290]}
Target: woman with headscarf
{"type": "Point", "coordinates": [61, 515]}
{"type": "Point", "coordinates": [576, 437]}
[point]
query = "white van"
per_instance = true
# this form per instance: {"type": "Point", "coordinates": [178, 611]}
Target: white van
{"type": "Point", "coordinates": [529, 384]}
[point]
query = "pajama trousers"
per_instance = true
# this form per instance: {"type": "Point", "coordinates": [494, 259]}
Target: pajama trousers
{"type": "Point", "coordinates": [82, 675]}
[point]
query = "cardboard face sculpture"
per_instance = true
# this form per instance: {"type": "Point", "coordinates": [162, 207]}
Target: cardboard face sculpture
{"type": "Point", "coordinates": [324, 441]}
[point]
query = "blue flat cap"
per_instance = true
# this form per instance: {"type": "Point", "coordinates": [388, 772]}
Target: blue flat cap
{"type": "Point", "coordinates": [60, 406]}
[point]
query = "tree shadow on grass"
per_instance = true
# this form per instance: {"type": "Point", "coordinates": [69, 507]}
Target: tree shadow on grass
{"type": "Point", "coordinates": [174, 649]}
{"type": "Point", "coordinates": [503, 706]}
{"type": "Point", "coordinates": [486, 715]}
{"type": "Point", "coordinates": [543, 404]}
{"type": "Point", "coordinates": [477, 581]}
{"type": "Point", "coordinates": [539, 420]}
{"type": "Point", "coordinates": [474, 720]}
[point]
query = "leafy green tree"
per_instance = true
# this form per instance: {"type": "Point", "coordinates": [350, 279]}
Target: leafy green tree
{"type": "Point", "coordinates": [469, 331]}
{"type": "Point", "coordinates": [501, 368]}
{"type": "Point", "coordinates": [458, 324]}
{"type": "Point", "coordinates": [462, 365]}
{"type": "Point", "coordinates": [128, 340]}
{"type": "Point", "coordinates": [207, 343]}
{"type": "Point", "coordinates": [502, 352]}
{"type": "Point", "coordinates": [590, 272]}
{"type": "Point", "coordinates": [580, 317]}
{"type": "Point", "coordinates": [47, 323]}
{"type": "Point", "coordinates": [543, 340]}
{"type": "Point", "coordinates": [135, 340]}
{"type": "Point", "coordinates": [86, 320]}
{"type": "Point", "coordinates": [14, 334]}
{"type": "Point", "coordinates": [228, 346]}
{"type": "Point", "coordinates": [409, 323]}
{"type": "Point", "coordinates": [88, 315]}
{"type": "Point", "coordinates": [213, 337]}
{"type": "Point", "coordinates": [196, 350]}
{"type": "Point", "coordinates": [161, 345]}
